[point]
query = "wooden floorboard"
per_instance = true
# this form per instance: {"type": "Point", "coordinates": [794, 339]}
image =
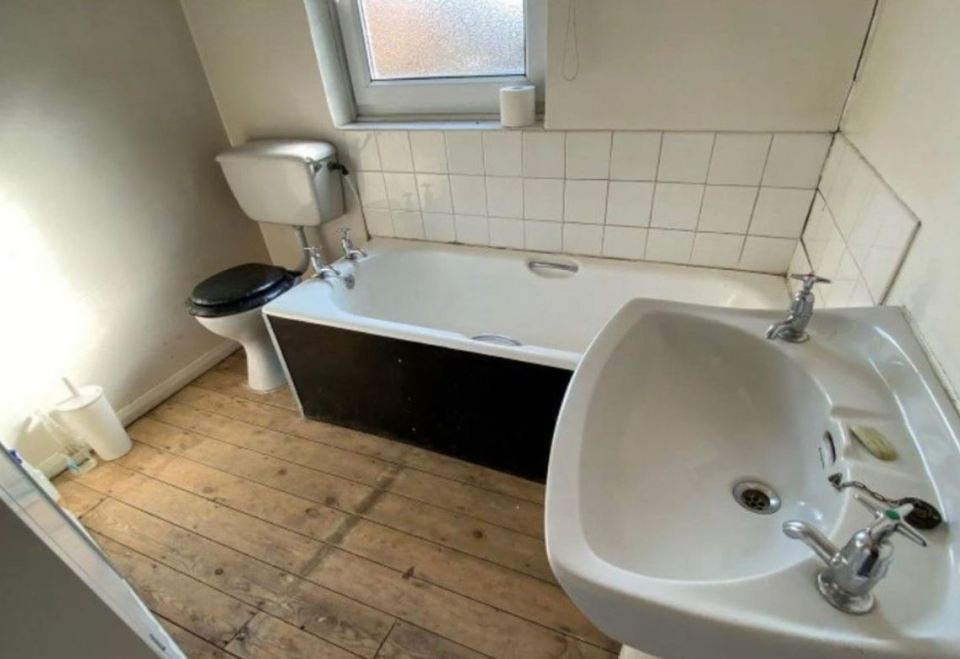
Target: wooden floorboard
{"type": "Point", "coordinates": [252, 532]}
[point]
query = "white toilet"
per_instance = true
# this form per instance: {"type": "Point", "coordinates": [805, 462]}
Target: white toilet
{"type": "Point", "coordinates": [281, 182]}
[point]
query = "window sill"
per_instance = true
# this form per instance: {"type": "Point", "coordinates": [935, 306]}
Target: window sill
{"type": "Point", "coordinates": [439, 124]}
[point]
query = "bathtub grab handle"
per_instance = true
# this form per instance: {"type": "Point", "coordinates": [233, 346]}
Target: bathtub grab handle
{"type": "Point", "coordinates": [552, 265]}
{"type": "Point", "coordinates": [497, 339]}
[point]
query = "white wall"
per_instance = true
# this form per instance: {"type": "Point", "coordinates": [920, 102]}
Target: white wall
{"type": "Point", "coordinates": [260, 63]}
{"type": "Point", "coordinates": [903, 116]}
{"type": "Point", "coordinates": [778, 65]}
{"type": "Point", "coordinates": [111, 205]}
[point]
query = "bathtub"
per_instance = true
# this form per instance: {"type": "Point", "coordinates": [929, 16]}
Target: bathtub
{"type": "Point", "coordinates": [468, 350]}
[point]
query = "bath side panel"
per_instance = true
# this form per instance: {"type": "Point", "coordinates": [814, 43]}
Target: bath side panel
{"type": "Point", "coordinates": [488, 410]}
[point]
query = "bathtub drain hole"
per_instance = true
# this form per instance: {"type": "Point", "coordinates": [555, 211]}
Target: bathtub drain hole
{"type": "Point", "coordinates": [756, 497]}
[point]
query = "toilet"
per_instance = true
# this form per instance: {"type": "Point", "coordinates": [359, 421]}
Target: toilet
{"type": "Point", "coordinates": [294, 183]}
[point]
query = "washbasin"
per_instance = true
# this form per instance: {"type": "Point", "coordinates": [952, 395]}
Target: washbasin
{"type": "Point", "coordinates": [687, 439]}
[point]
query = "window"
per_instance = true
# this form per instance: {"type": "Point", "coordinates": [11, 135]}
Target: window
{"type": "Point", "coordinates": [437, 57]}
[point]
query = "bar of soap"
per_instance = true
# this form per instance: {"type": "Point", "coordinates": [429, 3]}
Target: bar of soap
{"type": "Point", "coordinates": [874, 441]}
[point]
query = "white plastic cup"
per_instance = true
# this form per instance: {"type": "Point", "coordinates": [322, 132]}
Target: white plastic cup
{"type": "Point", "coordinates": [91, 419]}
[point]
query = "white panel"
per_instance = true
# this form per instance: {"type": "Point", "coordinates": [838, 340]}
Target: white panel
{"type": "Point", "coordinates": [649, 64]}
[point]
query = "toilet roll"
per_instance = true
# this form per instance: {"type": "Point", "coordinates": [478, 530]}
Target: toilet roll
{"type": "Point", "coordinates": [517, 105]}
{"type": "Point", "coordinates": [88, 415]}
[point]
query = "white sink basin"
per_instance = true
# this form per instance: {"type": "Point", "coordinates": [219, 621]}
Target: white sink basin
{"type": "Point", "coordinates": [674, 404]}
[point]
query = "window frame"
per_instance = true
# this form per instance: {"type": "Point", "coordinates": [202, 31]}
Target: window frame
{"type": "Point", "coordinates": [425, 98]}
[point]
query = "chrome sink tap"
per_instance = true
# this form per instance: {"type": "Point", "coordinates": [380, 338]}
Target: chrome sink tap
{"type": "Point", "coordinates": [854, 569]}
{"type": "Point", "coordinates": [325, 271]}
{"type": "Point", "coordinates": [793, 328]}
{"type": "Point", "coordinates": [350, 252]}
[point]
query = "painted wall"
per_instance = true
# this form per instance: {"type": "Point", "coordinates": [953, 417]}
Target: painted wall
{"type": "Point", "coordinates": [111, 205]}
{"type": "Point", "coordinates": [771, 65]}
{"type": "Point", "coordinates": [903, 118]}
{"type": "Point", "coordinates": [261, 66]}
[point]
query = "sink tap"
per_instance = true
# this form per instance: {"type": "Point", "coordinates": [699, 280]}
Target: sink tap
{"type": "Point", "coordinates": [350, 252]}
{"type": "Point", "coordinates": [325, 271]}
{"type": "Point", "coordinates": [793, 328]}
{"type": "Point", "coordinates": [854, 569]}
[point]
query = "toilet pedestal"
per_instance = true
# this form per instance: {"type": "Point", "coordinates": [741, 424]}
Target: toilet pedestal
{"type": "Point", "coordinates": [248, 328]}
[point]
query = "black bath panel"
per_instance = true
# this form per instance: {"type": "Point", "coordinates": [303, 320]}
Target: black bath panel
{"type": "Point", "coordinates": [492, 411]}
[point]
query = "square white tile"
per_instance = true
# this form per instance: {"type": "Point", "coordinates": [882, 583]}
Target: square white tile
{"type": "Point", "coordinates": [767, 254]}
{"type": "Point", "coordinates": [408, 224]}
{"type": "Point", "coordinates": [395, 154]}
{"type": "Point", "coordinates": [439, 227]}
{"type": "Point", "coordinates": [472, 229]}
{"type": "Point", "coordinates": [588, 155]}
{"type": "Point", "coordinates": [624, 242]}
{"type": "Point", "coordinates": [717, 250]}
{"type": "Point", "coordinates": [543, 199]}
{"type": "Point", "coordinates": [542, 236]}
{"type": "Point", "coordinates": [543, 154]}
{"type": "Point", "coordinates": [429, 151]}
{"type": "Point", "coordinates": [727, 208]}
{"type": "Point", "coordinates": [379, 222]}
{"type": "Point", "coordinates": [676, 205]}
{"type": "Point", "coordinates": [635, 156]}
{"type": "Point", "coordinates": [506, 232]}
{"type": "Point", "coordinates": [469, 194]}
{"type": "Point", "coordinates": [362, 153]}
{"type": "Point", "coordinates": [629, 202]}
{"type": "Point", "coordinates": [738, 158]}
{"type": "Point", "coordinates": [685, 157]}
{"type": "Point", "coordinates": [669, 246]}
{"type": "Point", "coordinates": [585, 201]}
{"type": "Point", "coordinates": [504, 196]}
{"type": "Point", "coordinates": [434, 192]}
{"type": "Point", "coordinates": [796, 159]}
{"type": "Point", "coordinates": [582, 239]}
{"type": "Point", "coordinates": [780, 212]}
{"type": "Point", "coordinates": [372, 189]}
{"type": "Point", "coordinates": [464, 151]}
{"type": "Point", "coordinates": [402, 191]}
{"type": "Point", "coordinates": [501, 153]}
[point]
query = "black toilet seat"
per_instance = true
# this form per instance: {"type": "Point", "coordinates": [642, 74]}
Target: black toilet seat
{"type": "Point", "coordinates": [238, 289]}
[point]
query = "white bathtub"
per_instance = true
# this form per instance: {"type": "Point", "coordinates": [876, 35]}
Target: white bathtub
{"type": "Point", "coordinates": [398, 354]}
{"type": "Point", "coordinates": [446, 294]}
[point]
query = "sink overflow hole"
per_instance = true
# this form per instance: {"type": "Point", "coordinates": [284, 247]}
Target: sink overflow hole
{"type": "Point", "coordinates": [756, 497]}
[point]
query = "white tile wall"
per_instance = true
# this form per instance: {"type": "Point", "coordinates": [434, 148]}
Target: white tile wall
{"type": "Point", "coordinates": [731, 200]}
{"type": "Point", "coordinates": [858, 232]}
{"type": "Point", "coordinates": [685, 157]}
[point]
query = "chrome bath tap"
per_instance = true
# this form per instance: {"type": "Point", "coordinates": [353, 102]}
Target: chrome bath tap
{"type": "Point", "coordinates": [793, 328]}
{"type": "Point", "coordinates": [854, 569]}
{"type": "Point", "coordinates": [325, 271]}
{"type": "Point", "coordinates": [350, 252]}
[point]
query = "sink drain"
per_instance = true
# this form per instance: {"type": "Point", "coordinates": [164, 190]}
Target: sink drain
{"type": "Point", "coordinates": [756, 497]}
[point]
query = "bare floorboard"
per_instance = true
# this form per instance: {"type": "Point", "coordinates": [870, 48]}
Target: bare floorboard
{"type": "Point", "coordinates": [252, 532]}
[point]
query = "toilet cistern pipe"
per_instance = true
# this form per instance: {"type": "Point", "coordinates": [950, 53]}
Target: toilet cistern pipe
{"type": "Point", "coordinates": [301, 267]}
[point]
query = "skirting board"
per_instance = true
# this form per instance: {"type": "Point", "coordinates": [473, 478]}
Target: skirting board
{"type": "Point", "coordinates": [162, 391]}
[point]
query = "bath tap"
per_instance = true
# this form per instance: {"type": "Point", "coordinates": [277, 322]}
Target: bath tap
{"type": "Point", "coordinates": [854, 569]}
{"type": "Point", "coordinates": [350, 252]}
{"type": "Point", "coordinates": [325, 271]}
{"type": "Point", "coordinates": [793, 328]}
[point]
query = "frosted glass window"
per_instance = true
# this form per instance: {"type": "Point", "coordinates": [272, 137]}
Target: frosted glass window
{"type": "Point", "coordinates": [443, 38]}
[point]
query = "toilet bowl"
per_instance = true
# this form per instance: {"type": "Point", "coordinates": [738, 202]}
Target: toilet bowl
{"type": "Point", "coordinates": [229, 304]}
